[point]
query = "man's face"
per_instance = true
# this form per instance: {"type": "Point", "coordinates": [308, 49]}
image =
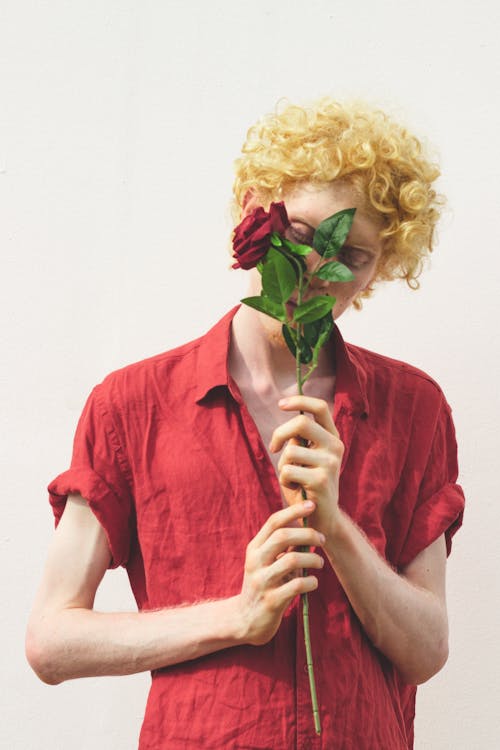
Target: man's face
{"type": "Point", "coordinates": [307, 206]}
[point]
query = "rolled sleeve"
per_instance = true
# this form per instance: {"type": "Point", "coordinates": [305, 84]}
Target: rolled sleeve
{"type": "Point", "coordinates": [98, 473]}
{"type": "Point", "coordinates": [440, 504]}
{"type": "Point", "coordinates": [442, 513]}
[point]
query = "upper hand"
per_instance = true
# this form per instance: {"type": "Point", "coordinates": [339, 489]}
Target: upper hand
{"type": "Point", "coordinates": [315, 466]}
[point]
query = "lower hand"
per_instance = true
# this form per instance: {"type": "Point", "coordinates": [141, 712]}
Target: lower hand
{"type": "Point", "coordinates": [270, 582]}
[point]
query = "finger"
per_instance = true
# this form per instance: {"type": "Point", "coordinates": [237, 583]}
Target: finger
{"type": "Point", "coordinates": [295, 454]}
{"type": "Point", "coordinates": [280, 519]}
{"type": "Point", "coordinates": [283, 538]}
{"type": "Point", "coordinates": [292, 563]}
{"type": "Point", "coordinates": [303, 427]}
{"type": "Point", "coordinates": [318, 407]}
{"type": "Point", "coordinates": [285, 593]}
{"type": "Point", "coordinates": [312, 480]}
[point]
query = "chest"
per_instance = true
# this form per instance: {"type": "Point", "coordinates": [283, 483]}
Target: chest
{"type": "Point", "coordinates": [204, 483]}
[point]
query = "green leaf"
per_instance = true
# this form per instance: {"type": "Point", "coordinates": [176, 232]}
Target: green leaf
{"type": "Point", "coordinates": [295, 260]}
{"type": "Point", "coordinates": [325, 330]}
{"type": "Point", "coordinates": [312, 331]}
{"type": "Point", "coordinates": [318, 329]}
{"type": "Point", "coordinates": [314, 309]}
{"type": "Point", "coordinates": [301, 250]}
{"type": "Point", "coordinates": [278, 276]}
{"type": "Point", "coordinates": [306, 353]}
{"type": "Point", "coordinates": [332, 232]}
{"type": "Point", "coordinates": [290, 337]}
{"type": "Point", "coordinates": [268, 306]}
{"type": "Point", "coordinates": [260, 266]}
{"type": "Point", "coordinates": [334, 271]}
{"type": "Point", "coordinates": [320, 342]}
{"type": "Point", "coordinates": [276, 239]}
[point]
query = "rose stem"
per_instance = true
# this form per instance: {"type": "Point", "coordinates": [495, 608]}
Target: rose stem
{"type": "Point", "coordinates": [304, 597]}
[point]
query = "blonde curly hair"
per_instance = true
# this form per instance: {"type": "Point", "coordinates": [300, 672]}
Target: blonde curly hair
{"type": "Point", "coordinates": [364, 148]}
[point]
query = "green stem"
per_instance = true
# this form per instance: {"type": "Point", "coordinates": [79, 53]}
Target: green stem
{"type": "Point", "coordinates": [304, 597]}
{"type": "Point", "coordinates": [309, 372]}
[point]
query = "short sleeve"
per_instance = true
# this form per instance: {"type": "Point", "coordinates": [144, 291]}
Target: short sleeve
{"type": "Point", "coordinates": [98, 473]}
{"type": "Point", "coordinates": [440, 503]}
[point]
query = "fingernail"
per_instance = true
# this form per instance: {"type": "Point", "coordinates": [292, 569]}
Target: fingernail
{"type": "Point", "coordinates": [322, 538]}
{"type": "Point", "coordinates": [283, 402]}
{"type": "Point", "coordinates": [308, 504]}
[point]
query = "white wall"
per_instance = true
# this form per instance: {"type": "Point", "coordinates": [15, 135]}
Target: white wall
{"type": "Point", "coordinates": [119, 122]}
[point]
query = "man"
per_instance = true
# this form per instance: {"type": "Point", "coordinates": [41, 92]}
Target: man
{"type": "Point", "coordinates": [188, 467]}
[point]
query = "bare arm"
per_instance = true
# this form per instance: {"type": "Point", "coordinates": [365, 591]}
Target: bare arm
{"type": "Point", "coordinates": [404, 614]}
{"type": "Point", "coordinates": [66, 638]}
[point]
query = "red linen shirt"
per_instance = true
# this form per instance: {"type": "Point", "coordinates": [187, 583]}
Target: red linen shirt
{"type": "Point", "coordinates": [172, 464]}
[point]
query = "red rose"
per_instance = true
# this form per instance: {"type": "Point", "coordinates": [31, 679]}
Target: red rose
{"type": "Point", "coordinates": [252, 238]}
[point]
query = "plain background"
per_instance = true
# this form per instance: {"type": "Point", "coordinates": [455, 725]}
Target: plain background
{"type": "Point", "coordinates": [119, 123]}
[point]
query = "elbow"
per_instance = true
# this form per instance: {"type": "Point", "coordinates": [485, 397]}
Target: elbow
{"type": "Point", "coordinates": [418, 672]}
{"type": "Point", "coordinates": [40, 655]}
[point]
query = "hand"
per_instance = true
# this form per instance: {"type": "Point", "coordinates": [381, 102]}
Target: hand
{"type": "Point", "coordinates": [270, 582]}
{"type": "Point", "coordinates": [314, 466]}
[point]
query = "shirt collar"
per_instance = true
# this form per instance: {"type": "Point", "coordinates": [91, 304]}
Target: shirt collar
{"type": "Point", "coordinates": [213, 354]}
{"type": "Point", "coordinates": [351, 377]}
{"type": "Point", "coordinates": [212, 367]}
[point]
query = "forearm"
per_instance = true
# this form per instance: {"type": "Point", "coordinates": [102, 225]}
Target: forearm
{"type": "Point", "coordinates": [78, 642]}
{"type": "Point", "coordinates": [66, 638]}
{"type": "Point", "coordinates": [408, 624]}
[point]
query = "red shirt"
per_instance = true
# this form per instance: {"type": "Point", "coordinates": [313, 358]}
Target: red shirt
{"type": "Point", "coordinates": [173, 466]}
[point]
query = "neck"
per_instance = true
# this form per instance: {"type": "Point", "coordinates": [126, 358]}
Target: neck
{"type": "Point", "coordinates": [259, 355]}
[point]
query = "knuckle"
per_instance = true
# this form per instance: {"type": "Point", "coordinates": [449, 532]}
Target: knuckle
{"type": "Point", "coordinates": [273, 522]}
{"type": "Point", "coordinates": [297, 585]}
{"type": "Point", "coordinates": [322, 480]}
{"type": "Point", "coordinates": [282, 463]}
{"type": "Point", "coordinates": [333, 443]}
{"type": "Point", "coordinates": [270, 600]}
{"type": "Point", "coordinates": [250, 551]}
{"type": "Point", "coordinates": [280, 536]}
{"type": "Point", "coordinates": [312, 583]}
{"type": "Point", "coordinates": [313, 538]}
{"type": "Point", "coordinates": [293, 560]}
{"type": "Point", "coordinates": [303, 421]}
{"type": "Point", "coordinates": [332, 462]}
{"type": "Point", "coordinates": [276, 436]}
{"type": "Point", "coordinates": [260, 579]}
{"type": "Point", "coordinates": [318, 561]}
{"type": "Point", "coordinates": [249, 563]}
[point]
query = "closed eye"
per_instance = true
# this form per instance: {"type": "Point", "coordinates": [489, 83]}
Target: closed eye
{"type": "Point", "coordinates": [300, 234]}
{"type": "Point", "coordinates": [354, 257]}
